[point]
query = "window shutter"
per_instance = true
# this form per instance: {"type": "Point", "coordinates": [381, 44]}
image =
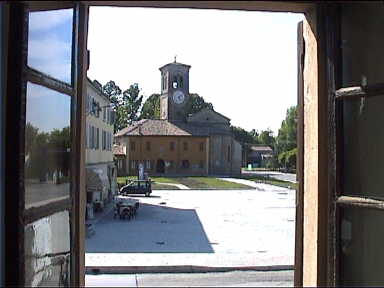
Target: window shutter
{"type": "Point", "coordinates": [97, 138]}
{"type": "Point", "coordinates": [112, 117]}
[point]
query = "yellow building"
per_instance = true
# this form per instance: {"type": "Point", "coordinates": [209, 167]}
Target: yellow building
{"type": "Point", "coordinates": [100, 167]}
{"type": "Point", "coordinates": [177, 151]}
{"type": "Point", "coordinates": [178, 144]}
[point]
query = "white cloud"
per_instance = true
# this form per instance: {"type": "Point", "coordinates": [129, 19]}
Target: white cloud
{"type": "Point", "coordinates": [50, 55]}
{"type": "Point", "coordinates": [46, 20]}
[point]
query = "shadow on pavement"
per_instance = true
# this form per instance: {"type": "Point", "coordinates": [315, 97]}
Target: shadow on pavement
{"type": "Point", "coordinates": [156, 229]}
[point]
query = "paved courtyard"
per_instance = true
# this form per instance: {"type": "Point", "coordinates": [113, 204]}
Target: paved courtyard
{"type": "Point", "coordinates": [290, 177]}
{"type": "Point", "coordinates": [215, 228]}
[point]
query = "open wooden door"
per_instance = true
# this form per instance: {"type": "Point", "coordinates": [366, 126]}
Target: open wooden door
{"type": "Point", "coordinates": [45, 154]}
{"type": "Point", "coordinates": [356, 159]}
{"type": "Point", "coordinates": [298, 276]}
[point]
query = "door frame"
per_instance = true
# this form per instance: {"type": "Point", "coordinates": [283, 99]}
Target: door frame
{"type": "Point", "coordinates": [2, 137]}
{"type": "Point", "coordinates": [315, 228]}
{"type": "Point", "coordinates": [16, 76]}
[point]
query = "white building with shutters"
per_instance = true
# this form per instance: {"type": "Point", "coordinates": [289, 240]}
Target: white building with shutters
{"type": "Point", "coordinates": [101, 170]}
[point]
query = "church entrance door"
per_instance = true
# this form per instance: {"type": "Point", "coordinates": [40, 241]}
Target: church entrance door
{"type": "Point", "coordinates": [160, 166]}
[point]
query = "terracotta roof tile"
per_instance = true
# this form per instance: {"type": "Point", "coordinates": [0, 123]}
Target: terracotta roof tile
{"type": "Point", "coordinates": [261, 148]}
{"type": "Point", "coordinates": [148, 127]}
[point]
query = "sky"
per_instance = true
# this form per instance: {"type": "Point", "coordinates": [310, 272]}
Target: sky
{"type": "Point", "coordinates": [50, 42]}
{"type": "Point", "coordinates": [243, 62]}
{"type": "Point", "coordinates": [49, 51]}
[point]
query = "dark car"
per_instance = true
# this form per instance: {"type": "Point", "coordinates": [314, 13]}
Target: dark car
{"type": "Point", "coordinates": [137, 187]}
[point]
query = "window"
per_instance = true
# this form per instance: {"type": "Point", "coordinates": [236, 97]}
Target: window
{"type": "Point", "coordinates": [103, 140]}
{"type": "Point", "coordinates": [91, 136]}
{"type": "Point", "coordinates": [94, 108]}
{"type": "Point", "coordinates": [48, 183]}
{"type": "Point", "coordinates": [185, 164]}
{"type": "Point", "coordinates": [104, 114]}
{"type": "Point", "coordinates": [133, 164]}
{"type": "Point", "coordinates": [229, 153]}
{"type": "Point", "coordinates": [171, 164]}
{"type": "Point", "coordinates": [172, 146]}
{"type": "Point", "coordinates": [120, 164]}
{"type": "Point", "coordinates": [181, 81]}
{"type": "Point", "coordinates": [88, 104]}
{"type": "Point", "coordinates": [97, 138]}
{"type": "Point", "coordinates": [202, 146]}
{"type": "Point", "coordinates": [174, 83]}
{"type": "Point", "coordinates": [148, 164]}
{"type": "Point", "coordinates": [97, 109]}
{"type": "Point", "coordinates": [201, 164]}
{"type": "Point", "coordinates": [148, 146]}
{"type": "Point", "coordinates": [133, 146]}
{"type": "Point", "coordinates": [185, 146]}
{"type": "Point", "coordinates": [86, 136]}
{"type": "Point", "coordinates": [110, 141]}
{"type": "Point", "coordinates": [112, 117]}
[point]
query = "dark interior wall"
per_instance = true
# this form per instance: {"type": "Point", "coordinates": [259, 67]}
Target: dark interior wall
{"type": "Point", "coordinates": [2, 138]}
{"type": "Point", "coordinates": [362, 233]}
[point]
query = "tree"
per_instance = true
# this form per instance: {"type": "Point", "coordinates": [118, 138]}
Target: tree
{"type": "Point", "coordinates": [125, 104]}
{"type": "Point", "coordinates": [30, 136]}
{"type": "Point", "coordinates": [242, 136]}
{"type": "Point", "coordinates": [195, 104]}
{"type": "Point", "coordinates": [266, 137]}
{"type": "Point", "coordinates": [132, 101]}
{"type": "Point", "coordinates": [286, 139]}
{"type": "Point", "coordinates": [151, 108]}
{"type": "Point", "coordinates": [113, 92]}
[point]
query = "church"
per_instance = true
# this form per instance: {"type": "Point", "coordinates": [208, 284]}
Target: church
{"type": "Point", "coordinates": [178, 144]}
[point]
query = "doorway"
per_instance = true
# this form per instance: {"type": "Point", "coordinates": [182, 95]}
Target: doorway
{"type": "Point", "coordinates": [186, 152]}
{"type": "Point", "coordinates": [290, 7]}
{"type": "Point", "coordinates": [160, 166]}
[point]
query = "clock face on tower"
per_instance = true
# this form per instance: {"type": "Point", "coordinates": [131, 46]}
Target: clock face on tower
{"type": "Point", "coordinates": [178, 97]}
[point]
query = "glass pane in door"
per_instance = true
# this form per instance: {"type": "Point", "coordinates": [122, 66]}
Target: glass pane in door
{"type": "Point", "coordinates": [363, 154]}
{"type": "Point", "coordinates": [50, 43]}
{"type": "Point", "coordinates": [47, 251]}
{"type": "Point", "coordinates": [362, 46]}
{"type": "Point", "coordinates": [47, 146]}
{"type": "Point", "coordinates": [361, 247]}
{"type": "Point", "coordinates": [362, 26]}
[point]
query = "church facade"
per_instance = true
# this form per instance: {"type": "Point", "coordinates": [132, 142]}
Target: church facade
{"type": "Point", "coordinates": [177, 143]}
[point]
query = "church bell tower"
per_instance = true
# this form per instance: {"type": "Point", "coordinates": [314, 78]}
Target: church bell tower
{"type": "Point", "coordinates": [174, 91]}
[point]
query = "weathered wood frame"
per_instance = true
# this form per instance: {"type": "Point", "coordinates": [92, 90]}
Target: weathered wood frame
{"type": "Point", "coordinates": [298, 275]}
{"type": "Point", "coordinates": [337, 95]}
{"type": "Point", "coordinates": [18, 74]}
{"type": "Point", "coordinates": [315, 228]}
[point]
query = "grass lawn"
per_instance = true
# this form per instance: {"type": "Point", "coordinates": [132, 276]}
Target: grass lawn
{"type": "Point", "coordinates": [156, 185]}
{"type": "Point", "coordinates": [191, 182]}
{"type": "Point", "coordinates": [210, 182]}
{"type": "Point", "coordinates": [267, 180]}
